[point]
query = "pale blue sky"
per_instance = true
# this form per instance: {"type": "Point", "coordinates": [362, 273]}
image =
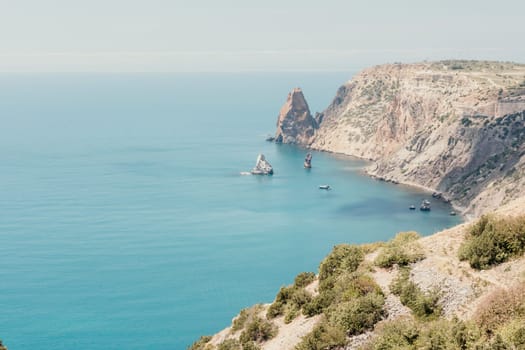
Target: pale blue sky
{"type": "Point", "coordinates": [265, 35]}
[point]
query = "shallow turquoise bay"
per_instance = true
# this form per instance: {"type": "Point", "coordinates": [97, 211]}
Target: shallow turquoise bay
{"type": "Point", "coordinates": [125, 222]}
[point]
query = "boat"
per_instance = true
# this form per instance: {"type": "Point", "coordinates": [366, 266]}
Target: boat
{"type": "Point", "coordinates": [308, 161]}
{"type": "Point", "coordinates": [425, 205]}
{"type": "Point", "coordinates": [325, 187]}
{"type": "Point", "coordinates": [453, 213]}
{"type": "Point", "coordinates": [412, 207]}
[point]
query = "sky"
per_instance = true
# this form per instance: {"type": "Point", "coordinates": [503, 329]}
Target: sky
{"type": "Point", "coordinates": [246, 35]}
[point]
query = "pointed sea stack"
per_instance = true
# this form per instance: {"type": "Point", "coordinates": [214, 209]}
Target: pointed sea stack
{"type": "Point", "coordinates": [295, 123]}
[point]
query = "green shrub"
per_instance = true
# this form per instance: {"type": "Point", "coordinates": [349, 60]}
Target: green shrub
{"type": "Point", "coordinates": [276, 309]}
{"type": "Point", "coordinates": [352, 286]}
{"type": "Point", "coordinates": [346, 287]}
{"type": "Point", "coordinates": [513, 333]}
{"type": "Point", "coordinates": [230, 344]}
{"type": "Point", "coordinates": [278, 306]}
{"type": "Point", "coordinates": [412, 334]}
{"type": "Point", "coordinates": [258, 330]}
{"type": "Point", "coordinates": [300, 297]}
{"type": "Point", "coordinates": [359, 314]}
{"type": "Point", "coordinates": [198, 345]}
{"type": "Point", "coordinates": [291, 314]}
{"type": "Point", "coordinates": [399, 334]}
{"type": "Point", "coordinates": [423, 304]}
{"type": "Point", "coordinates": [303, 279]}
{"type": "Point", "coordinates": [288, 302]}
{"type": "Point", "coordinates": [401, 250]}
{"type": "Point", "coordinates": [493, 240]}
{"type": "Point", "coordinates": [323, 336]}
{"type": "Point", "coordinates": [244, 316]}
{"type": "Point", "coordinates": [319, 303]}
{"type": "Point", "coordinates": [343, 258]}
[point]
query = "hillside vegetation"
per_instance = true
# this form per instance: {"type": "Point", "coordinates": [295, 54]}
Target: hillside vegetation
{"type": "Point", "coordinates": [408, 293]}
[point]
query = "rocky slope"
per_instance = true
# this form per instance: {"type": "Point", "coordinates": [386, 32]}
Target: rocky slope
{"type": "Point", "coordinates": [457, 127]}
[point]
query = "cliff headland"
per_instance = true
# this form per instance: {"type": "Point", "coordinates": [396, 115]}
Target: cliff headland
{"type": "Point", "coordinates": [456, 127]}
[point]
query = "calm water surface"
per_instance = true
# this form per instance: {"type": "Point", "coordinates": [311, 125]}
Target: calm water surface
{"type": "Point", "coordinates": [124, 222]}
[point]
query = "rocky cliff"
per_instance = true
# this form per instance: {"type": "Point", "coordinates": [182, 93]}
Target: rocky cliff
{"type": "Point", "coordinates": [457, 127]}
{"type": "Point", "coordinates": [295, 123]}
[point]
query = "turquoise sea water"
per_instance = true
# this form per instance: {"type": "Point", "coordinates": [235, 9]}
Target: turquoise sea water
{"type": "Point", "coordinates": [124, 221]}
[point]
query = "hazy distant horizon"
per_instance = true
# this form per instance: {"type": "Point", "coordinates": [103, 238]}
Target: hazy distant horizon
{"type": "Point", "coordinates": [236, 36]}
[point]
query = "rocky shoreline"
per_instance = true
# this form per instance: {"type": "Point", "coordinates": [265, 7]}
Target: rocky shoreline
{"type": "Point", "coordinates": [457, 131]}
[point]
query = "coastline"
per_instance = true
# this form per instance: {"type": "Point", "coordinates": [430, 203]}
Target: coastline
{"type": "Point", "coordinates": [460, 210]}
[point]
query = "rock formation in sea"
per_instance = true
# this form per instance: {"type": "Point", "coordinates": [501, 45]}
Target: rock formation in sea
{"type": "Point", "coordinates": [457, 127]}
{"type": "Point", "coordinates": [308, 161]}
{"type": "Point", "coordinates": [295, 123]}
{"type": "Point", "coordinates": [262, 166]}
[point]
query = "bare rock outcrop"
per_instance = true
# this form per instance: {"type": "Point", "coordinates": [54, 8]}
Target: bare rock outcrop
{"type": "Point", "coordinates": [295, 123]}
{"type": "Point", "coordinates": [262, 166]}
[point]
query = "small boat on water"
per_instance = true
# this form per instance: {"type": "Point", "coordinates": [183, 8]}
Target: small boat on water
{"type": "Point", "coordinates": [325, 187]}
{"type": "Point", "coordinates": [412, 207]}
{"type": "Point", "coordinates": [308, 161]}
{"type": "Point", "coordinates": [425, 205]}
{"type": "Point", "coordinates": [453, 213]}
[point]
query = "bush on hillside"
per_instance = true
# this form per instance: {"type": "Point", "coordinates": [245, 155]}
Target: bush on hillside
{"type": "Point", "coordinates": [258, 330]}
{"type": "Point", "coordinates": [344, 258]}
{"type": "Point", "coordinates": [324, 336]}
{"type": "Point", "coordinates": [500, 307]}
{"type": "Point", "coordinates": [244, 316]}
{"type": "Point", "coordinates": [493, 240]}
{"type": "Point", "coordinates": [288, 302]}
{"type": "Point", "coordinates": [402, 250]}
{"type": "Point", "coordinates": [230, 344]}
{"type": "Point", "coordinates": [351, 286]}
{"type": "Point", "coordinates": [303, 279]}
{"type": "Point", "coordinates": [346, 287]}
{"type": "Point", "coordinates": [423, 304]}
{"type": "Point", "coordinates": [200, 344]}
{"type": "Point", "coordinates": [440, 334]}
{"type": "Point", "coordinates": [513, 333]}
{"type": "Point", "coordinates": [319, 303]}
{"type": "Point", "coordinates": [359, 314]}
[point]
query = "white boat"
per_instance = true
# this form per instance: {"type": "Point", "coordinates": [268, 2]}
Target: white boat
{"type": "Point", "coordinates": [324, 187]}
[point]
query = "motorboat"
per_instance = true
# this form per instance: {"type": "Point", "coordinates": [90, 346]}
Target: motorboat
{"type": "Point", "coordinates": [425, 205]}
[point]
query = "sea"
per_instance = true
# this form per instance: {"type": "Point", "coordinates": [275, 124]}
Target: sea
{"type": "Point", "coordinates": [125, 222]}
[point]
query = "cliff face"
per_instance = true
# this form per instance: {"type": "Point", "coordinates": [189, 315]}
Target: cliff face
{"type": "Point", "coordinates": [295, 123]}
{"type": "Point", "coordinates": [454, 126]}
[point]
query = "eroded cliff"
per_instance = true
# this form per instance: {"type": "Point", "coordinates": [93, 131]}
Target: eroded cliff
{"type": "Point", "coordinates": [457, 127]}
